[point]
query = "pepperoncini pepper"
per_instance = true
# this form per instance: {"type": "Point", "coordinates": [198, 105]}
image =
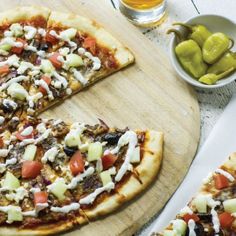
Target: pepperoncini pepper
{"type": "Point", "coordinates": [213, 78]}
{"type": "Point", "coordinates": [227, 61]}
{"type": "Point", "coordinates": [199, 33]}
{"type": "Point", "coordinates": [215, 46]}
{"type": "Point", "coordinates": [190, 56]}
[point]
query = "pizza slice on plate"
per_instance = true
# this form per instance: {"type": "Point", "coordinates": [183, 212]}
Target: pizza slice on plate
{"type": "Point", "coordinates": [47, 56]}
{"type": "Point", "coordinates": [213, 210]}
{"type": "Point", "coordinates": [56, 175]}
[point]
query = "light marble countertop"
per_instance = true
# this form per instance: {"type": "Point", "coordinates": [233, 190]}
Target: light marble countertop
{"type": "Point", "coordinates": [212, 102]}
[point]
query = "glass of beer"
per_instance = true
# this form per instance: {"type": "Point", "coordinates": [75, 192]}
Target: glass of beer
{"type": "Point", "coordinates": [143, 12]}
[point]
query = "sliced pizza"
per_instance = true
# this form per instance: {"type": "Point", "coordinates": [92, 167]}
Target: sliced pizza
{"type": "Point", "coordinates": [213, 210]}
{"type": "Point", "coordinates": [56, 175]}
{"type": "Point", "coordinates": [47, 56]}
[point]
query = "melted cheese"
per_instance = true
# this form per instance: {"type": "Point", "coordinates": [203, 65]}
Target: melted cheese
{"type": "Point", "coordinates": [215, 221]}
{"type": "Point", "coordinates": [74, 182]}
{"type": "Point", "coordinates": [191, 226]}
{"type": "Point", "coordinates": [50, 155]}
{"type": "Point", "coordinates": [66, 209]}
{"type": "Point", "coordinates": [129, 138]}
{"type": "Point", "coordinates": [226, 174]}
{"type": "Point", "coordinates": [91, 197]}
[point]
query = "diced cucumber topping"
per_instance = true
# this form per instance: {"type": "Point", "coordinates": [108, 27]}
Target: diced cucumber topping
{"type": "Point", "coordinates": [135, 158]}
{"type": "Point", "coordinates": [16, 29]}
{"type": "Point", "coordinates": [14, 214]}
{"type": "Point", "coordinates": [230, 205]}
{"type": "Point", "coordinates": [179, 226]}
{"type": "Point", "coordinates": [58, 189]}
{"type": "Point", "coordinates": [169, 233]}
{"type": "Point", "coordinates": [105, 177]}
{"type": "Point", "coordinates": [94, 151]}
{"type": "Point", "coordinates": [200, 203]}
{"type": "Point", "coordinates": [17, 91]}
{"type": "Point", "coordinates": [10, 181]}
{"type": "Point", "coordinates": [47, 66]}
{"type": "Point", "coordinates": [74, 60]}
{"type": "Point", "coordinates": [72, 140]}
{"type": "Point", "coordinates": [6, 47]}
{"type": "Point", "coordinates": [68, 33]}
{"type": "Point", "coordinates": [30, 152]}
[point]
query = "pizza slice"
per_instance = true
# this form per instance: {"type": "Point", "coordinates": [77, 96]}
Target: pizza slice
{"type": "Point", "coordinates": [213, 210]}
{"type": "Point", "coordinates": [48, 56]}
{"type": "Point", "coordinates": [56, 175]}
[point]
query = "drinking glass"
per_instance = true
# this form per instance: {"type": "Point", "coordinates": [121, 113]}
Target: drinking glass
{"type": "Point", "coordinates": [143, 12]}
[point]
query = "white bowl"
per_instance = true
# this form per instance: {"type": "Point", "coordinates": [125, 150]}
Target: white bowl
{"type": "Point", "coordinates": [214, 23]}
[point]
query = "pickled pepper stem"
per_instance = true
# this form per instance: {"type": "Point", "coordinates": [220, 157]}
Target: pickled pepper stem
{"type": "Point", "coordinates": [232, 43]}
{"type": "Point", "coordinates": [189, 27]}
{"type": "Point", "coordinates": [177, 33]}
{"type": "Point", "coordinates": [222, 75]}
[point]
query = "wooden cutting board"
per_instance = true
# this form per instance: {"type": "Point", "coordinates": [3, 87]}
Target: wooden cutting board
{"type": "Point", "coordinates": [146, 95]}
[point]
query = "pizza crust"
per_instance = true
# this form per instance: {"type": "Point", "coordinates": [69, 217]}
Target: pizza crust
{"type": "Point", "coordinates": [121, 53]}
{"type": "Point", "coordinates": [23, 13]}
{"type": "Point", "coordinates": [147, 170]}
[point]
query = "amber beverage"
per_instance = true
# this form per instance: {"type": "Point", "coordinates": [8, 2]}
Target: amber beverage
{"type": "Point", "coordinates": [142, 4]}
{"type": "Point", "coordinates": [143, 12]}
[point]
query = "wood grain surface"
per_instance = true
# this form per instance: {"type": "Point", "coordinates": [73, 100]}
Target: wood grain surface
{"type": "Point", "coordinates": [146, 95]}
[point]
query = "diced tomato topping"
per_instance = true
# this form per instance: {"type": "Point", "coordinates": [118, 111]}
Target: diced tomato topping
{"type": "Point", "coordinates": [90, 43]}
{"type": "Point", "coordinates": [21, 137]}
{"type": "Point", "coordinates": [40, 197]}
{"type": "Point", "coordinates": [18, 50]}
{"type": "Point", "coordinates": [48, 81]}
{"type": "Point", "coordinates": [1, 142]}
{"type": "Point", "coordinates": [108, 161]}
{"type": "Point", "coordinates": [76, 163]}
{"type": "Point", "coordinates": [31, 169]}
{"type": "Point", "coordinates": [51, 39]}
{"type": "Point", "coordinates": [226, 220]}
{"type": "Point", "coordinates": [221, 181]}
{"type": "Point", "coordinates": [54, 59]}
{"type": "Point", "coordinates": [4, 70]}
{"type": "Point", "coordinates": [187, 217]}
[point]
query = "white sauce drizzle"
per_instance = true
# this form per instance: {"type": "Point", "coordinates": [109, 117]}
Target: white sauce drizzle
{"type": "Point", "coordinates": [226, 174]}
{"type": "Point", "coordinates": [2, 119]}
{"type": "Point", "coordinates": [78, 76]}
{"type": "Point", "coordinates": [50, 155]}
{"type": "Point", "coordinates": [11, 161]}
{"type": "Point", "coordinates": [129, 138]}
{"type": "Point", "coordinates": [191, 226]}
{"type": "Point", "coordinates": [27, 131]}
{"type": "Point", "coordinates": [91, 197]}
{"type": "Point", "coordinates": [66, 209]}
{"type": "Point", "coordinates": [30, 31]}
{"type": "Point", "coordinates": [215, 221]}
{"type": "Point", "coordinates": [60, 78]}
{"type": "Point", "coordinates": [13, 80]}
{"type": "Point", "coordinates": [80, 177]}
{"type": "Point", "coordinates": [45, 86]}
{"type": "Point", "coordinates": [186, 210]}
{"type": "Point", "coordinates": [8, 102]}
{"type": "Point", "coordinates": [11, 41]}
{"type": "Point", "coordinates": [42, 32]}
{"type": "Point", "coordinates": [24, 66]}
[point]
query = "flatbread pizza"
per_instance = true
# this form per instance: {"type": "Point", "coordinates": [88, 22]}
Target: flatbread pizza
{"type": "Point", "coordinates": [213, 210]}
{"type": "Point", "coordinates": [55, 175]}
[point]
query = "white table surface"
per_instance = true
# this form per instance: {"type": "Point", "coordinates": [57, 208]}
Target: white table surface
{"type": "Point", "coordinates": [212, 102]}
